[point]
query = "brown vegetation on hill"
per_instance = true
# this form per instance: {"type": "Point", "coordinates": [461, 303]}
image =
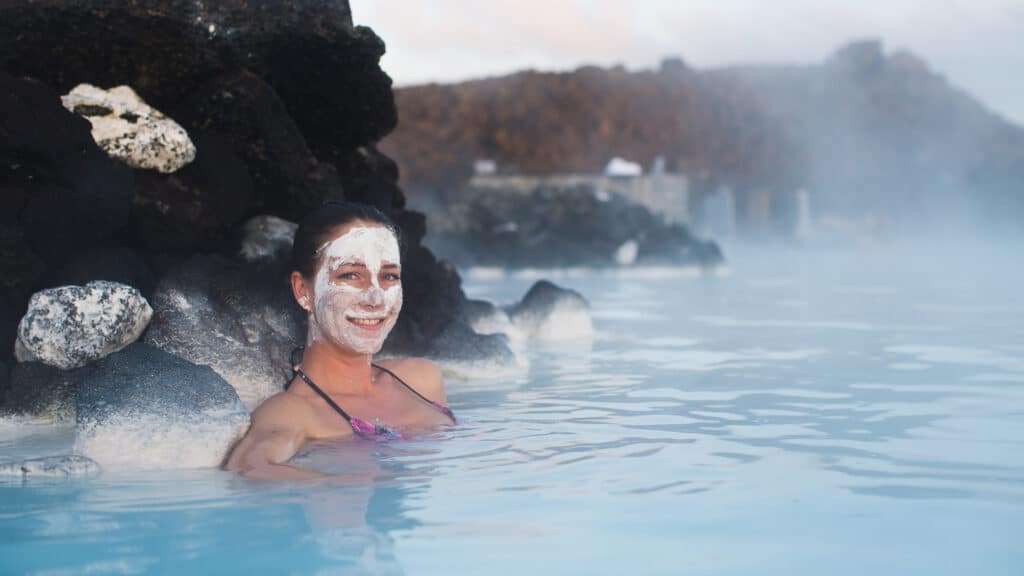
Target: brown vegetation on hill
{"type": "Point", "coordinates": [867, 132]}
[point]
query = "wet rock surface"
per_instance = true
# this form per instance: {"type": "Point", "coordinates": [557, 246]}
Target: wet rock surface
{"type": "Point", "coordinates": [5, 384]}
{"type": "Point", "coordinates": [42, 392]}
{"type": "Point", "coordinates": [549, 312]}
{"type": "Point", "coordinates": [238, 318]}
{"type": "Point", "coordinates": [71, 326]}
{"type": "Point", "coordinates": [267, 238]}
{"type": "Point", "coordinates": [50, 467]}
{"type": "Point", "coordinates": [146, 408]}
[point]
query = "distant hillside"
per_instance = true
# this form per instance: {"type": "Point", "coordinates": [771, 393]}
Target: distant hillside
{"type": "Point", "coordinates": [867, 133]}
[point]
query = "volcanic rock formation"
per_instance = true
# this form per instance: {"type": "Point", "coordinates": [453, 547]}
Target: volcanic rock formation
{"type": "Point", "coordinates": [284, 102]}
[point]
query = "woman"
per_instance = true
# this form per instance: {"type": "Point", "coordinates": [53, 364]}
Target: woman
{"type": "Point", "coordinates": [347, 276]}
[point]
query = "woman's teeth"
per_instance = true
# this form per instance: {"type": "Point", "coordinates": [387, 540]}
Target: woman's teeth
{"type": "Point", "coordinates": [366, 321]}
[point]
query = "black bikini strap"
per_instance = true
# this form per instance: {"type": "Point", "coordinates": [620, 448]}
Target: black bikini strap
{"type": "Point", "coordinates": [402, 382]}
{"type": "Point", "coordinates": [326, 398]}
{"type": "Point", "coordinates": [446, 410]}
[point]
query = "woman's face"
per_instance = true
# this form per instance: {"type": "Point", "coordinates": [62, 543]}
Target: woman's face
{"type": "Point", "coordinates": [357, 292]}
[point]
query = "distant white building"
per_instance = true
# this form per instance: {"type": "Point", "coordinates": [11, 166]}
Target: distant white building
{"type": "Point", "coordinates": [485, 166]}
{"type": "Point", "coordinates": [621, 168]}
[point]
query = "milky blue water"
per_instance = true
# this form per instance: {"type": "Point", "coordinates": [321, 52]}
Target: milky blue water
{"type": "Point", "coordinates": [813, 412]}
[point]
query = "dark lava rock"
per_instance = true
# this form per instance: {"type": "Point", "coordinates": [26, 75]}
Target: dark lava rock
{"type": "Point", "coordinates": [460, 343]}
{"type": "Point", "coordinates": [551, 227]}
{"type": "Point", "coordinates": [325, 70]}
{"type": "Point", "coordinates": [118, 264]}
{"type": "Point", "coordinates": [143, 407]}
{"type": "Point", "coordinates": [432, 297]}
{"type": "Point", "coordinates": [59, 193]}
{"type": "Point", "coordinates": [287, 177]}
{"type": "Point", "coordinates": [198, 205]}
{"type": "Point", "coordinates": [285, 102]}
{"type": "Point", "coordinates": [57, 185]}
{"type": "Point", "coordinates": [42, 392]}
{"type": "Point", "coordinates": [238, 318]}
{"type": "Point", "coordinates": [5, 383]}
{"type": "Point", "coordinates": [550, 312]}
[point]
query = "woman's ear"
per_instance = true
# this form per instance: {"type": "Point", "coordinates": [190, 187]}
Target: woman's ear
{"type": "Point", "coordinates": [302, 292]}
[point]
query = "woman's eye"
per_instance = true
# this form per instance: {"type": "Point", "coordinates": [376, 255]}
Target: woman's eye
{"type": "Point", "coordinates": [392, 277]}
{"type": "Point", "coordinates": [348, 276]}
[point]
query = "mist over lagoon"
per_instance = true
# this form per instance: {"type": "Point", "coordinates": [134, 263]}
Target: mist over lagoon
{"type": "Point", "coordinates": [696, 311]}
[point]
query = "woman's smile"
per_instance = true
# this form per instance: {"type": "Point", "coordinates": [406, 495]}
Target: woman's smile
{"type": "Point", "coordinates": [367, 322]}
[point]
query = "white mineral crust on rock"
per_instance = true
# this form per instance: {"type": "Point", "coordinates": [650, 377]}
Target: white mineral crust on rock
{"type": "Point", "coordinates": [71, 326]}
{"type": "Point", "coordinates": [266, 237]}
{"type": "Point", "coordinates": [130, 130]}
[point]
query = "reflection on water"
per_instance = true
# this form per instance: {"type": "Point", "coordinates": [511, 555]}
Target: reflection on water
{"type": "Point", "coordinates": [809, 413]}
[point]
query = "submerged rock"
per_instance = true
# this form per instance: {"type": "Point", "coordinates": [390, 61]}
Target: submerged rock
{"type": "Point", "coordinates": [548, 312]}
{"type": "Point", "coordinates": [130, 130]}
{"type": "Point", "coordinates": [71, 326]}
{"type": "Point", "coordinates": [238, 318]}
{"type": "Point", "coordinates": [142, 407]}
{"type": "Point", "coordinates": [51, 466]}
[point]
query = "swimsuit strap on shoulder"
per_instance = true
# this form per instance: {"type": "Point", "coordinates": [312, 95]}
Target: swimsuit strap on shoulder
{"type": "Point", "coordinates": [444, 409]}
{"type": "Point", "coordinates": [359, 426]}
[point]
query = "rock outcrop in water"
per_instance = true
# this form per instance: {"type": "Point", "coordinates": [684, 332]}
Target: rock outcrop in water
{"type": "Point", "coordinates": [145, 408]}
{"type": "Point", "coordinates": [284, 102]}
{"type": "Point", "coordinates": [554, 227]}
{"type": "Point", "coordinates": [41, 392]}
{"type": "Point", "coordinates": [239, 319]}
{"type": "Point", "coordinates": [551, 313]}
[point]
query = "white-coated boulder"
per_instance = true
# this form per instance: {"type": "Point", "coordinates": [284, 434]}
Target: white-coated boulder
{"type": "Point", "coordinates": [144, 408]}
{"type": "Point", "coordinates": [130, 130]}
{"type": "Point", "coordinates": [71, 326]}
{"type": "Point", "coordinates": [267, 237]}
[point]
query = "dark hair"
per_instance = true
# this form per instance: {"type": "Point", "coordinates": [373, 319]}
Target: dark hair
{"type": "Point", "coordinates": [316, 229]}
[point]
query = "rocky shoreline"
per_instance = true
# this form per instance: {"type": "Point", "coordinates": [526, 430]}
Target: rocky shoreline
{"type": "Point", "coordinates": [558, 227]}
{"type": "Point", "coordinates": [147, 217]}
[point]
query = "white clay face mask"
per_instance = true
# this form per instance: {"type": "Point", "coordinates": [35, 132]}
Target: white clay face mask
{"type": "Point", "coordinates": [356, 315]}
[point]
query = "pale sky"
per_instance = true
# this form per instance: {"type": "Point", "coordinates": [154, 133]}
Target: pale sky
{"type": "Point", "coordinates": [977, 45]}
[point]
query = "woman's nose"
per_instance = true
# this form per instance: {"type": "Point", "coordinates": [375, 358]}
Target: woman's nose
{"type": "Point", "coordinates": [374, 297]}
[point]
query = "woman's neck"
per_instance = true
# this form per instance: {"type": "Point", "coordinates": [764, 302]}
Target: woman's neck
{"type": "Point", "coordinates": [336, 372]}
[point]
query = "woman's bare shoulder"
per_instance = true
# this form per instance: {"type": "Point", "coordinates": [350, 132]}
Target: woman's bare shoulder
{"type": "Point", "coordinates": [422, 374]}
{"type": "Point", "coordinates": [282, 408]}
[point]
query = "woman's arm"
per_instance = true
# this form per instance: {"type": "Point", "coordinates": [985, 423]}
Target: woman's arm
{"type": "Point", "coordinates": [276, 434]}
